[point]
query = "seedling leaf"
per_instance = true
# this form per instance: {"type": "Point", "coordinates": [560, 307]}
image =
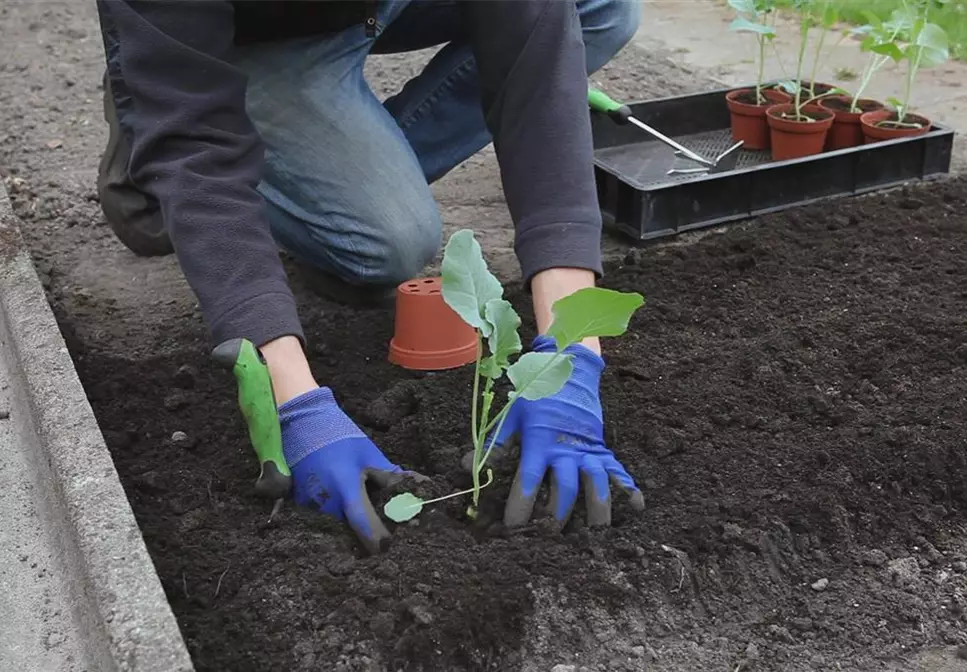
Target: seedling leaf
{"type": "Point", "coordinates": [933, 45]}
{"type": "Point", "coordinates": [403, 507]}
{"type": "Point", "coordinates": [540, 374]}
{"type": "Point", "coordinates": [743, 6]}
{"type": "Point", "coordinates": [503, 340]}
{"type": "Point", "coordinates": [489, 368]}
{"type": "Point", "coordinates": [889, 49]}
{"type": "Point", "coordinates": [467, 283]}
{"type": "Point", "coordinates": [589, 312]}
{"type": "Point", "coordinates": [742, 25]}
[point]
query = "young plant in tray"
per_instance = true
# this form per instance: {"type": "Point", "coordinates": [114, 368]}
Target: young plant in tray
{"type": "Point", "coordinates": [879, 41]}
{"type": "Point", "coordinates": [799, 128]}
{"type": "Point", "coordinates": [753, 18]}
{"type": "Point", "coordinates": [476, 296]}
{"type": "Point", "coordinates": [747, 107]}
{"type": "Point", "coordinates": [925, 45]}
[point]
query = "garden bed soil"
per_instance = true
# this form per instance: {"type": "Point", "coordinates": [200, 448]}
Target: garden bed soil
{"type": "Point", "coordinates": [792, 401]}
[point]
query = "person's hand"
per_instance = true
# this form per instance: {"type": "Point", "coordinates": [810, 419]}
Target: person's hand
{"type": "Point", "coordinates": [331, 459]}
{"type": "Point", "coordinates": [565, 434]}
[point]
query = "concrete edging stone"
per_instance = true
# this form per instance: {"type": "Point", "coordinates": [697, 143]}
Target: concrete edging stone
{"type": "Point", "coordinates": [121, 616]}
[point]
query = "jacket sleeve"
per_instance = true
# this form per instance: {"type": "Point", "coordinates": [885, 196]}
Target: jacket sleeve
{"type": "Point", "coordinates": [533, 74]}
{"type": "Point", "coordinates": [195, 150]}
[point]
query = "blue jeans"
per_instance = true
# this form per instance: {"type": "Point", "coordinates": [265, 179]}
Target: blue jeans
{"type": "Point", "coordinates": [346, 177]}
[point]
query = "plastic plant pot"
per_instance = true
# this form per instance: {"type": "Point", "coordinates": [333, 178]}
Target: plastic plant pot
{"type": "Point", "coordinates": [429, 335]}
{"type": "Point", "coordinates": [748, 119]}
{"type": "Point", "coordinates": [792, 139]}
{"type": "Point", "coordinates": [846, 130]}
{"type": "Point", "coordinates": [873, 131]}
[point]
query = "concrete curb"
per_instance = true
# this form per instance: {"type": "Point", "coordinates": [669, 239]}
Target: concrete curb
{"type": "Point", "coordinates": [91, 553]}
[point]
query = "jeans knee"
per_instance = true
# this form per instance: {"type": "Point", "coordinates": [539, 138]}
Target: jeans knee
{"type": "Point", "coordinates": [408, 248]}
{"type": "Point", "coordinates": [609, 25]}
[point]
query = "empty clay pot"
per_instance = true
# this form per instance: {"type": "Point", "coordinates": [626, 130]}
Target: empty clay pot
{"type": "Point", "coordinates": [846, 130]}
{"type": "Point", "coordinates": [749, 119]}
{"type": "Point", "coordinates": [429, 335]}
{"type": "Point", "coordinates": [873, 132]}
{"type": "Point", "coordinates": [792, 139]}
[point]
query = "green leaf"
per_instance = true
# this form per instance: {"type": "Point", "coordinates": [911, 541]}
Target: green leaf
{"type": "Point", "coordinates": [593, 311]}
{"type": "Point", "coordinates": [933, 45]}
{"type": "Point", "coordinates": [467, 283]}
{"type": "Point", "coordinates": [489, 368]}
{"type": "Point", "coordinates": [503, 340]}
{"type": "Point", "coordinates": [743, 6]}
{"type": "Point", "coordinates": [741, 25]}
{"type": "Point", "coordinates": [789, 86]}
{"type": "Point", "coordinates": [887, 49]}
{"type": "Point", "coordinates": [403, 507]}
{"type": "Point", "coordinates": [540, 374]}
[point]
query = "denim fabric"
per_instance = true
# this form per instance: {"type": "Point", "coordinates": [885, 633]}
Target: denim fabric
{"type": "Point", "coordinates": [346, 176]}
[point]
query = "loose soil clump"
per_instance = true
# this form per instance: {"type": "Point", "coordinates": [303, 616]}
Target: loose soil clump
{"type": "Point", "coordinates": [791, 399]}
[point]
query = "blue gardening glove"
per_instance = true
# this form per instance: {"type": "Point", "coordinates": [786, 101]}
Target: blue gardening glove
{"type": "Point", "coordinates": [331, 460]}
{"type": "Point", "coordinates": [565, 433]}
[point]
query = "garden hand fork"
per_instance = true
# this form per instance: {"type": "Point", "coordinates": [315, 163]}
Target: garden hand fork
{"type": "Point", "coordinates": [622, 114]}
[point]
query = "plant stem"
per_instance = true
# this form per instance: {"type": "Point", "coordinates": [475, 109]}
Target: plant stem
{"type": "Point", "coordinates": [490, 479]}
{"type": "Point", "coordinates": [803, 34]}
{"type": "Point", "coordinates": [908, 88]}
{"type": "Point", "coordinates": [478, 440]}
{"type": "Point", "coordinates": [762, 67]}
{"type": "Point", "coordinates": [474, 429]}
{"type": "Point", "coordinates": [819, 53]}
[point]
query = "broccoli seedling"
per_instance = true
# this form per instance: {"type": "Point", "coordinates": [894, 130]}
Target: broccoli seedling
{"type": "Point", "coordinates": [472, 291]}
{"type": "Point", "coordinates": [753, 17]}
{"type": "Point", "coordinates": [927, 46]}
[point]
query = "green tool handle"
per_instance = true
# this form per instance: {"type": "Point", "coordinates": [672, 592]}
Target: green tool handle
{"type": "Point", "coordinates": [603, 103]}
{"type": "Point", "coordinates": [256, 399]}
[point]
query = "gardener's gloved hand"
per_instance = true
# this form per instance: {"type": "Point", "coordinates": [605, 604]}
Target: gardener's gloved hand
{"type": "Point", "coordinates": [331, 459]}
{"type": "Point", "coordinates": [565, 434]}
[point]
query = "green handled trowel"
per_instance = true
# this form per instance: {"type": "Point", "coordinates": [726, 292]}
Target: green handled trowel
{"type": "Point", "coordinates": [257, 402]}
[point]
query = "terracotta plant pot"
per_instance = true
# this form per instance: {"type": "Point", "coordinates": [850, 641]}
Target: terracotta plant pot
{"type": "Point", "coordinates": [874, 132]}
{"type": "Point", "coordinates": [792, 139]}
{"type": "Point", "coordinates": [846, 130]}
{"type": "Point", "coordinates": [749, 119]}
{"type": "Point", "coordinates": [429, 335]}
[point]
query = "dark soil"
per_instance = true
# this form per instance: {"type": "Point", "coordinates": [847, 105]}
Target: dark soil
{"type": "Point", "coordinates": [791, 399]}
{"type": "Point", "coordinates": [893, 120]}
{"type": "Point", "coordinates": [841, 104]}
{"type": "Point", "coordinates": [749, 98]}
{"type": "Point", "coordinates": [808, 115]}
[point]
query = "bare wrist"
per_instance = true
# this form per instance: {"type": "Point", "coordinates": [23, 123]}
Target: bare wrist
{"type": "Point", "coordinates": [556, 283]}
{"type": "Point", "coordinates": [288, 368]}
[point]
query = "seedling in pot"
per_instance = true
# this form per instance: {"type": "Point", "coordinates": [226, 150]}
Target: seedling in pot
{"type": "Point", "coordinates": [753, 17]}
{"type": "Point", "coordinates": [880, 42]}
{"type": "Point", "coordinates": [477, 297]}
{"type": "Point", "coordinates": [827, 17]}
{"type": "Point", "coordinates": [927, 47]}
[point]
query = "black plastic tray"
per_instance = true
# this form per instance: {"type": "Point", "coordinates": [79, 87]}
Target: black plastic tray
{"type": "Point", "coordinates": [639, 199]}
